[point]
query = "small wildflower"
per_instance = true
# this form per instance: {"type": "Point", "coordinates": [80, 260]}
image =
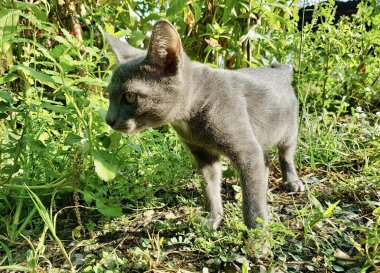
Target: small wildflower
{"type": "Point", "coordinates": [360, 115]}
{"type": "Point", "coordinates": [366, 131]}
{"type": "Point", "coordinates": [377, 114]}
{"type": "Point", "coordinates": [359, 109]}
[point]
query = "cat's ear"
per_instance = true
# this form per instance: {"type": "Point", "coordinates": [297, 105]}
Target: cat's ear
{"type": "Point", "coordinates": [123, 50]}
{"type": "Point", "coordinates": [165, 48]}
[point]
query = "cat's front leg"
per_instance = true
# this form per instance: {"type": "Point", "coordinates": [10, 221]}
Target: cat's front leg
{"type": "Point", "coordinates": [209, 165]}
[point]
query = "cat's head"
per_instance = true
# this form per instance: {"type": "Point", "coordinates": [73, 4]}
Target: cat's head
{"type": "Point", "coordinates": [146, 89]}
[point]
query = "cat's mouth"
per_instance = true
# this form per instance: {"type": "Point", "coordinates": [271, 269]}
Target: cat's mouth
{"type": "Point", "coordinates": [130, 128]}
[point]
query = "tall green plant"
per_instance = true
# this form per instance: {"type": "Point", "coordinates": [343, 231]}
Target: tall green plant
{"type": "Point", "coordinates": [341, 59]}
{"type": "Point", "coordinates": [46, 116]}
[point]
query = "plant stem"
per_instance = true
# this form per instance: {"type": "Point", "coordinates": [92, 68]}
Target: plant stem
{"type": "Point", "coordinates": [63, 250]}
{"type": "Point", "coordinates": [58, 182]}
{"type": "Point", "coordinates": [27, 220]}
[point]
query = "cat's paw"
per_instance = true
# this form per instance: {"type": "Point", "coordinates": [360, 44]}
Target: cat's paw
{"type": "Point", "coordinates": [208, 222]}
{"type": "Point", "coordinates": [294, 186]}
{"type": "Point", "coordinates": [213, 223]}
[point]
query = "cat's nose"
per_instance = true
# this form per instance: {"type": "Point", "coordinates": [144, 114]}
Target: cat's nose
{"type": "Point", "coordinates": [110, 122]}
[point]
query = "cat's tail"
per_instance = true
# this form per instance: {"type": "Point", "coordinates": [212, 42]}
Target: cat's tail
{"type": "Point", "coordinates": [282, 66]}
{"type": "Point", "coordinates": [286, 69]}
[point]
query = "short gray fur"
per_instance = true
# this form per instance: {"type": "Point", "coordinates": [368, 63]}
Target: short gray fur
{"type": "Point", "coordinates": [238, 114]}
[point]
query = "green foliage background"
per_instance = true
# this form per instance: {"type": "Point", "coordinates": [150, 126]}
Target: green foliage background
{"type": "Point", "coordinates": [55, 65]}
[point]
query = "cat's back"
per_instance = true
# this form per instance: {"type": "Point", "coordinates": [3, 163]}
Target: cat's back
{"type": "Point", "coordinates": [256, 86]}
{"type": "Point", "coordinates": [275, 76]}
{"type": "Point", "coordinates": [269, 84]}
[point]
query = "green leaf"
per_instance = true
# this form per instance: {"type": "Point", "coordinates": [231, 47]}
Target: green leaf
{"type": "Point", "coordinates": [316, 203]}
{"type": "Point", "coordinates": [283, 7]}
{"type": "Point", "coordinates": [88, 196]}
{"type": "Point", "coordinates": [90, 80]}
{"type": "Point", "coordinates": [68, 60]}
{"type": "Point", "coordinates": [197, 12]}
{"type": "Point", "coordinates": [38, 12]}
{"type": "Point", "coordinates": [41, 77]}
{"type": "Point", "coordinates": [44, 213]}
{"type": "Point", "coordinates": [63, 41]}
{"type": "Point", "coordinates": [338, 268]}
{"type": "Point", "coordinates": [330, 209]}
{"type": "Point", "coordinates": [4, 107]}
{"type": "Point", "coordinates": [244, 267]}
{"type": "Point", "coordinates": [72, 139]}
{"type": "Point", "coordinates": [132, 15]}
{"type": "Point", "coordinates": [6, 96]}
{"type": "Point", "coordinates": [376, 212]}
{"type": "Point", "coordinates": [115, 140]}
{"type": "Point", "coordinates": [136, 38]}
{"type": "Point", "coordinates": [8, 78]}
{"type": "Point", "coordinates": [56, 108]}
{"type": "Point", "coordinates": [8, 252]}
{"type": "Point", "coordinates": [110, 29]}
{"type": "Point", "coordinates": [58, 51]}
{"type": "Point", "coordinates": [17, 268]}
{"type": "Point", "coordinates": [105, 165]}
{"type": "Point", "coordinates": [8, 28]}
{"type": "Point", "coordinates": [175, 7]}
{"type": "Point", "coordinates": [105, 140]}
{"type": "Point", "coordinates": [108, 207]}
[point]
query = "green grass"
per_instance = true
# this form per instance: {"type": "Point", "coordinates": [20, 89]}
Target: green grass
{"type": "Point", "coordinates": [332, 227]}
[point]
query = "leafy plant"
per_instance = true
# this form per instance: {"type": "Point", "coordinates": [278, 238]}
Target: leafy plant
{"type": "Point", "coordinates": [51, 224]}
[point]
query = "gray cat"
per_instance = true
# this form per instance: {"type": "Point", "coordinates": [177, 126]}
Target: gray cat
{"type": "Point", "coordinates": [238, 114]}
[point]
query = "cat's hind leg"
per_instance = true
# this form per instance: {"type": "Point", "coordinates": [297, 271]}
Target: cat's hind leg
{"type": "Point", "coordinates": [289, 174]}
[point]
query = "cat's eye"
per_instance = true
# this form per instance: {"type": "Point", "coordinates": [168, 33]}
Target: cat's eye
{"type": "Point", "coordinates": [130, 97]}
